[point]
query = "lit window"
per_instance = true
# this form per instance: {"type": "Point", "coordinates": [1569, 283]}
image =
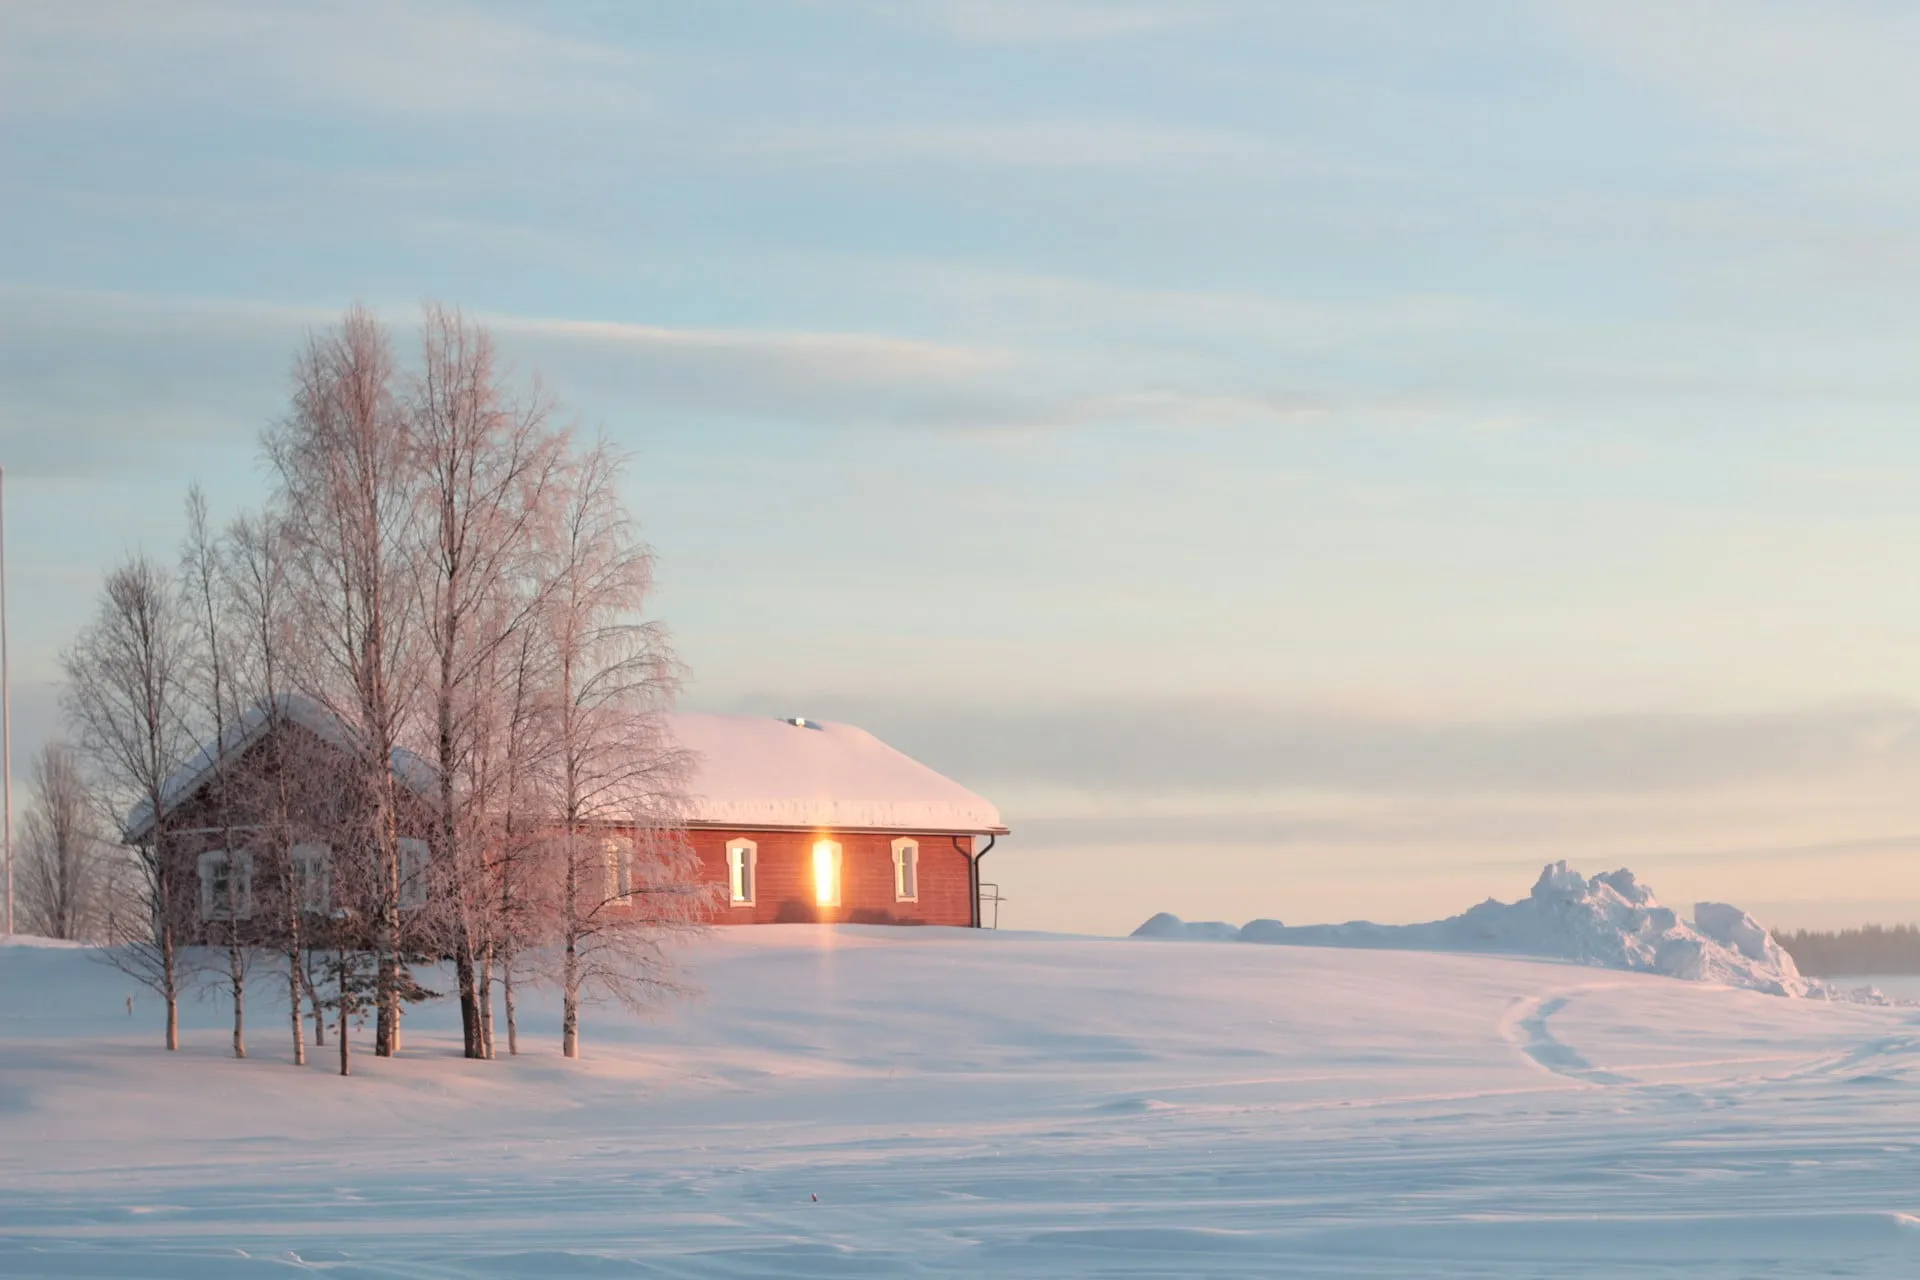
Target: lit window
{"type": "Point", "coordinates": [741, 873]}
{"type": "Point", "coordinates": [226, 885]}
{"type": "Point", "coordinates": [312, 876]}
{"type": "Point", "coordinates": [619, 854]}
{"type": "Point", "coordinates": [414, 858]}
{"type": "Point", "coordinates": [906, 871]}
{"type": "Point", "coordinates": [826, 874]}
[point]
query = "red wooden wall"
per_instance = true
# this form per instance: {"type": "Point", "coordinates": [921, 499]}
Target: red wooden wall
{"type": "Point", "coordinates": [786, 892]}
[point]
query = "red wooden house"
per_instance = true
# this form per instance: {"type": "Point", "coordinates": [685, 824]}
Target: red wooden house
{"type": "Point", "coordinates": [804, 820]}
{"type": "Point", "coordinates": [792, 820]}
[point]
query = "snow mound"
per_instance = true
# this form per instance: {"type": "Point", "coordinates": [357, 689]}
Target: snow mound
{"type": "Point", "coordinates": [1610, 921]}
{"type": "Point", "coordinates": [34, 940]}
{"type": "Point", "coordinates": [1168, 925]}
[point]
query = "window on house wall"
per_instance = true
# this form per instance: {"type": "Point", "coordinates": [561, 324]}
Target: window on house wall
{"type": "Point", "coordinates": [619, 855]}
{"type": "Point", "coordinates": [414, 861]}
{"type": "Point", "coordinates": [226, 885]}
{"type": "Point", "coordinates": [906, 870]}
{"type": "Point", "coordinates": [826, 873]}
{"type": "Point", "coordinates": [312, 877]}
{"type": "Point", "coordinates": [741, 872]}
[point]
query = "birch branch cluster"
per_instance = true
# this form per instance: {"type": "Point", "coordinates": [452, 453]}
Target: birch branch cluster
{"type": "Point", "coordinates": [410, 711]}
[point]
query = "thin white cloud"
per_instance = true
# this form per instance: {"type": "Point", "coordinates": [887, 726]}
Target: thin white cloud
{"type": "Point", "coordinates": [1061, 304]}
{"type": "Point", "coordinates": [441, 59]}
{"type": "Point", "coordinates": [843, 357]}
{"type": "Point", "coordinates": [850, 379]}
{"type": "Point", "coordinates": [1015, 142]}
{"type": "Point", "coordinates": [98, 370]}
{"type": "Point", "coordinates": [99, 382]}
{"type": "Point", "coordinates": [418, 57]}
{"type": "Point", "coordinates": [1208, 749]}
{"type": "Point", "coordinates": [1839, 75]}
{"type": "Point", "coordinates": [31, 309]}
{"type": "Point", "coordinates": [1040, 21]}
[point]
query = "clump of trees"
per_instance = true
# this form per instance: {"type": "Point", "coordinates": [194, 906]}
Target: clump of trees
{"type": "Point", "coordinates": [1868, 949]}
{"type": "Point", "coordinates": [64, 865]}
{"type": "Point", "coordinates": [419, 689]}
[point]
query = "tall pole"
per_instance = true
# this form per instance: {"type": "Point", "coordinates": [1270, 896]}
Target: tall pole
{"type": "Point", "coordinates": [6, 709]}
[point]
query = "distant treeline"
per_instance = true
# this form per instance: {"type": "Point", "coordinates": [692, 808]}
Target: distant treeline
{"type": "Point", "coordinates": [1872, 948]}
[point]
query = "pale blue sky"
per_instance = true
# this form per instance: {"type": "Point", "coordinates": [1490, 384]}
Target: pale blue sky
{"type": "Point", "coordinates": [1304, 460]}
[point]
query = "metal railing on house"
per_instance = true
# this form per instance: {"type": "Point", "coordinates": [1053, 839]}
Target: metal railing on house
{"type": "Point", "coordinates": [990, 895]}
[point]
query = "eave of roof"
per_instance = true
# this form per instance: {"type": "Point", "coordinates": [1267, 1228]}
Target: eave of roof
{"type": "Point", "coordinates": [916, 830]}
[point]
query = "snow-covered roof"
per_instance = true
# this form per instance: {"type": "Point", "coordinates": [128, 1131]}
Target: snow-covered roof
{"type": "Point", "coordinates": [749, 771]}
{"type": "Point", "coordinates": [408, 768]}
{"type": "Point", "coordinates": [757, 771]}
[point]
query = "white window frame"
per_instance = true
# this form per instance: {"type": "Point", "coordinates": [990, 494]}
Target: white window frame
{"type": "Point", "coordinates": [839, 868]}
{"type": "Point", "coordinates": [743, 872]}
{"type": "Point", "coordinates": [619, 854]}
{"type": "Point", "coordinates": [906, 870]}
{"type": "Point", "coordinates": [416, 857]}
{"type": "Point", "coordinates": [312, 865]}
{"type": "Point", "coordinates": [238, 865]}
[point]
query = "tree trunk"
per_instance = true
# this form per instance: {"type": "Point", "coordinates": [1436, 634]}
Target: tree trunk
{"type": "Point", "coordinates": [450, 844]}
{"type": "Point", "coordinates": [171, 980]}
{"type": "Point", "coordinates": [387, 1003]}
{"type": "Point", "coordinates": [346, 1007]}
{"type": "Point", "coordinates": [293, 1007]}
{"type": "Point", "coordinates": [394, 954]}
{"type": "Point", "coordinates": [506, 997]}
{"type": "Point", "coordinates": [570, 1005]}
{"type": "Point", "coordinates": [386, 983]}
{"type": "Point", "coordinates": [313, 1001]}
{"type": "Point", "coordinates": [464, 975]}
{"type": "Point", "coordinates": [570, 972]}
{"type": "Point", "coordinates": [296, 975]}
{"type": "Point", "coordinates": [237, 975]}
{"type": "Point", "coordinates": [486, 1003]}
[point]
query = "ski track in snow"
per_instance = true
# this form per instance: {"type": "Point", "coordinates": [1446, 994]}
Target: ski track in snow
{"type": "Point", "coordinates": [968, 1104]}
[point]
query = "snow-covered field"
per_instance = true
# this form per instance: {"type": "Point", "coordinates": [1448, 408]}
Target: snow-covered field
{"type": "Point", "coordinates": [982, 1104]}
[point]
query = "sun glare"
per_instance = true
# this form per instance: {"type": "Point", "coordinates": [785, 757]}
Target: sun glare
{"type": "Point", "coordinates": [826, 874]}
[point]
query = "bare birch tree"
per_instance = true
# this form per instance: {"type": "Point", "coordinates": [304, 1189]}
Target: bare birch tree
{"type": "Point", "coordinates": [440, 570]}
{"type": "Point", "coordinates": [626, 883]}
{"type": "Point", "coordinates": [488, 463]}
{"type": "Point", "coordinates": [513, 751]}
{"type": "Point", "coordinates": [215, 717]}
{"type": "Point", "coordinates": [519, 742]}
{"type": "Point", "coordinates": [344, 459]}
{"type": "Point", "coordinates": [63, 861]}
{"type": "Point", "coordinates": [126, 700]}
{"type": "Point", "coordinates": [256, 574]}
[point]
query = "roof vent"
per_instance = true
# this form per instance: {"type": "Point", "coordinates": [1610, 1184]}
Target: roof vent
{"type": "Point", "coordinates": [800, 722]}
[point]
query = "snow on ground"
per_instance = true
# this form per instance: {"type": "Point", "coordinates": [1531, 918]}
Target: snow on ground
{"type": "Point", "coordinates": [981, 1104]}
{"type": "Point", "coordinates": [1898, 986]}
{"type": "Point", "coordinates": [1610, 921]}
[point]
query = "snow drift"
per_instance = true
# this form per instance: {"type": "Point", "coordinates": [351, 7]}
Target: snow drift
{"type": "Point", "coordinates": [865, 1101]}
{"type": "Point", "coordinates": [1611, 921]}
